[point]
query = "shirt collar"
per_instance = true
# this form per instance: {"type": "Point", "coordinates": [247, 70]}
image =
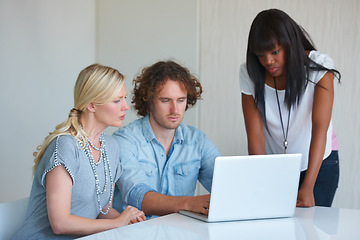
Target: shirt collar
{"type": "Point", "coordinates": [147, 129]}
{"type": "Point", "coordinates": [150, 135]}
{"type": "Point", "coordinates": [179, 137]}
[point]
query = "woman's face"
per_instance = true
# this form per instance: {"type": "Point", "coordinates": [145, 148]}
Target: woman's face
{"type": "Point", "coordinates": [112, 113]}
{"type": "Point", "coordinates": [274, 61]}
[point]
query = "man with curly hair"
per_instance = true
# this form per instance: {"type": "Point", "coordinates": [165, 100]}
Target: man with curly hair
{"type": "Point", "coordinates": [162, 158]}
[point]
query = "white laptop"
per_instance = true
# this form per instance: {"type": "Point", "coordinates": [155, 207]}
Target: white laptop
{"type": "Point", "coordinates": [253, 187]}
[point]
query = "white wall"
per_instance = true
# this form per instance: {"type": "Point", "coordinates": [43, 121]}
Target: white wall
{"type": "Point", "coordinates": [43, 46]}
{"type": "Point", "coordinates": [133, 34]}
{"type": "Point", "coordinates": [334, 27]}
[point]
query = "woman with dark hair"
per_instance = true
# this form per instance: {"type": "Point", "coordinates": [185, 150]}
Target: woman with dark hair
{"type": "Point", "coordinates": [287, 98]}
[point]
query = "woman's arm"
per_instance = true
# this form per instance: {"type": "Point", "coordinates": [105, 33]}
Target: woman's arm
{"type": "Point", "coordinates": [58, 195]}
{"type": "Point", "coordinates": [321, 116]}
{"type": "Point", "coordinates": [254, 125]}
{"type": "Point", "coordinates": [113, 213]}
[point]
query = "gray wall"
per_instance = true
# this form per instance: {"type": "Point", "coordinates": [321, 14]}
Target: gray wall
{"type": "Point", "coordinates": [43, 46]}
{"type": "Point", "coordinates": [135, 34]}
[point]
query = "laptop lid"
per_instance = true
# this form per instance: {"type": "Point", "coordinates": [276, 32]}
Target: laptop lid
{"type": "Point", "coordinates": [254, 187]}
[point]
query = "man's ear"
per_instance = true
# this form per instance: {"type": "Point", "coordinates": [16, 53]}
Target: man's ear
{"type": "Point", "coordinates": [91, 107]}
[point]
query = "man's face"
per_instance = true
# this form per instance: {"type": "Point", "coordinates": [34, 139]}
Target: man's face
{"type": "Point", "coordinates": [168, 106]}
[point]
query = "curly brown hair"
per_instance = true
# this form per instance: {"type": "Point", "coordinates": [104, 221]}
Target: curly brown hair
{"type": "Point", "coordinates": [148, 82]}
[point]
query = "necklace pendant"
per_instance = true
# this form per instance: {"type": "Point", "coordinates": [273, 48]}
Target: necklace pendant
{"type": "Point", "coordinates": [285, 146]}
{"type": "Point", "coordinates": [285, 135]}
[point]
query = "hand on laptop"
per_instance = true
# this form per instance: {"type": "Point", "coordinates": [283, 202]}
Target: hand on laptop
{"type": "Point", "coordinates": [199, 204]}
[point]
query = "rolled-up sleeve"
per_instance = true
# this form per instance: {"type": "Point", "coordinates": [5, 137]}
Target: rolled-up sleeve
{"type": "Point", "coordinates": [133, 180]}
{"type": "Point", "coordinates": [137, 194]}
{"type": "Point", "coordinates": [208, 154]}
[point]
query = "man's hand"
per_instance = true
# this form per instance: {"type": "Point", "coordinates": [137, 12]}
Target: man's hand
{"type": "Point", "coordinates": [199, 204]}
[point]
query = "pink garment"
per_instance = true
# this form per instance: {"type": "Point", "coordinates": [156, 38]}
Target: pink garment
{"type": "Point", "coordinates": [335, 145]}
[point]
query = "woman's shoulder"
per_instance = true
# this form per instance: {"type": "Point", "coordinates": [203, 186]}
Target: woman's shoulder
{"type": "Point", "coordinates": [322, 59]}
{"type": "Point", "coordinates": [66, 139]}
{"type": "Point", "coordinates": [62, 141]}
{"type": "Point", "coordinates": [243, 68]}
{"type": "Point", "coordinates": [246, 85]}
{"type": "Point", "coordinates": [111, 142]}
{"type": "Point", "coordinates": [65, 143]}
{"type": "Point", "coordinates": [63, 150]}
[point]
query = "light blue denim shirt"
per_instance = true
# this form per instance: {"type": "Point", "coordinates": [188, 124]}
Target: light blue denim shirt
{"type": "Point", "coordinates": [147, 168]}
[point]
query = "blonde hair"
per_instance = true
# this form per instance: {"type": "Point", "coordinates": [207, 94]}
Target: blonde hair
{"type": "Point", "coordinates": [95, 84]}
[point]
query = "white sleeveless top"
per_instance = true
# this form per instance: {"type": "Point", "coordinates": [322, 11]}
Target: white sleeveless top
{"type": "Point", "coordinates": [300, 124]}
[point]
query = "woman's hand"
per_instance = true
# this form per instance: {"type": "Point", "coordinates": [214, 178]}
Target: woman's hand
{"type": "Point", "coordinates": [131, 215]}
{"type": "Point", "coordinates": [305, 198]}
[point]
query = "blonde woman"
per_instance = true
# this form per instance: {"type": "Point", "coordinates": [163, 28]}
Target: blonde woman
{"type": "Point", "coordinates": [77, 165]}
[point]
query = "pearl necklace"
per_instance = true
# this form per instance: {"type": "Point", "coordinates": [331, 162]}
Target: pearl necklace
{"type": "Point", "coordinates": [91, 143]}
{"type": "Point", "coordinates": [107, 170]}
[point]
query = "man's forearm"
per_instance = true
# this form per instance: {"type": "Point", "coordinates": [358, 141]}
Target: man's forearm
{"type": "Point", "coordinates": [159, 204]}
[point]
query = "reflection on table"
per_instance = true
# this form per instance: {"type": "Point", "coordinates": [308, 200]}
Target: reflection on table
{"type": "Point", "coordinates": [308, 223]}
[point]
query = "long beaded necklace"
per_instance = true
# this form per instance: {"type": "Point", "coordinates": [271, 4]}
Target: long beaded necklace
{"type": "Point", "coordinates": [107, 170]}
{"type": "Point", "coordinates": [282, 124]}
{"type": "Point", "coordinates": [99, 149]}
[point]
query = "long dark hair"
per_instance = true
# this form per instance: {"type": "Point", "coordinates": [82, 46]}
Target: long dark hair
{"type": "Point", "coordinates": [271, 27]}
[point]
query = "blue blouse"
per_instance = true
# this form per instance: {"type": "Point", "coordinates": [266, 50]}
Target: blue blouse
{"type": "Point", "coordinates": [66, 151]}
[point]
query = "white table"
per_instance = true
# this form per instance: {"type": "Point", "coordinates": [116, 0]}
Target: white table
{"type": "Point", "coordinates": [315, 223]}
